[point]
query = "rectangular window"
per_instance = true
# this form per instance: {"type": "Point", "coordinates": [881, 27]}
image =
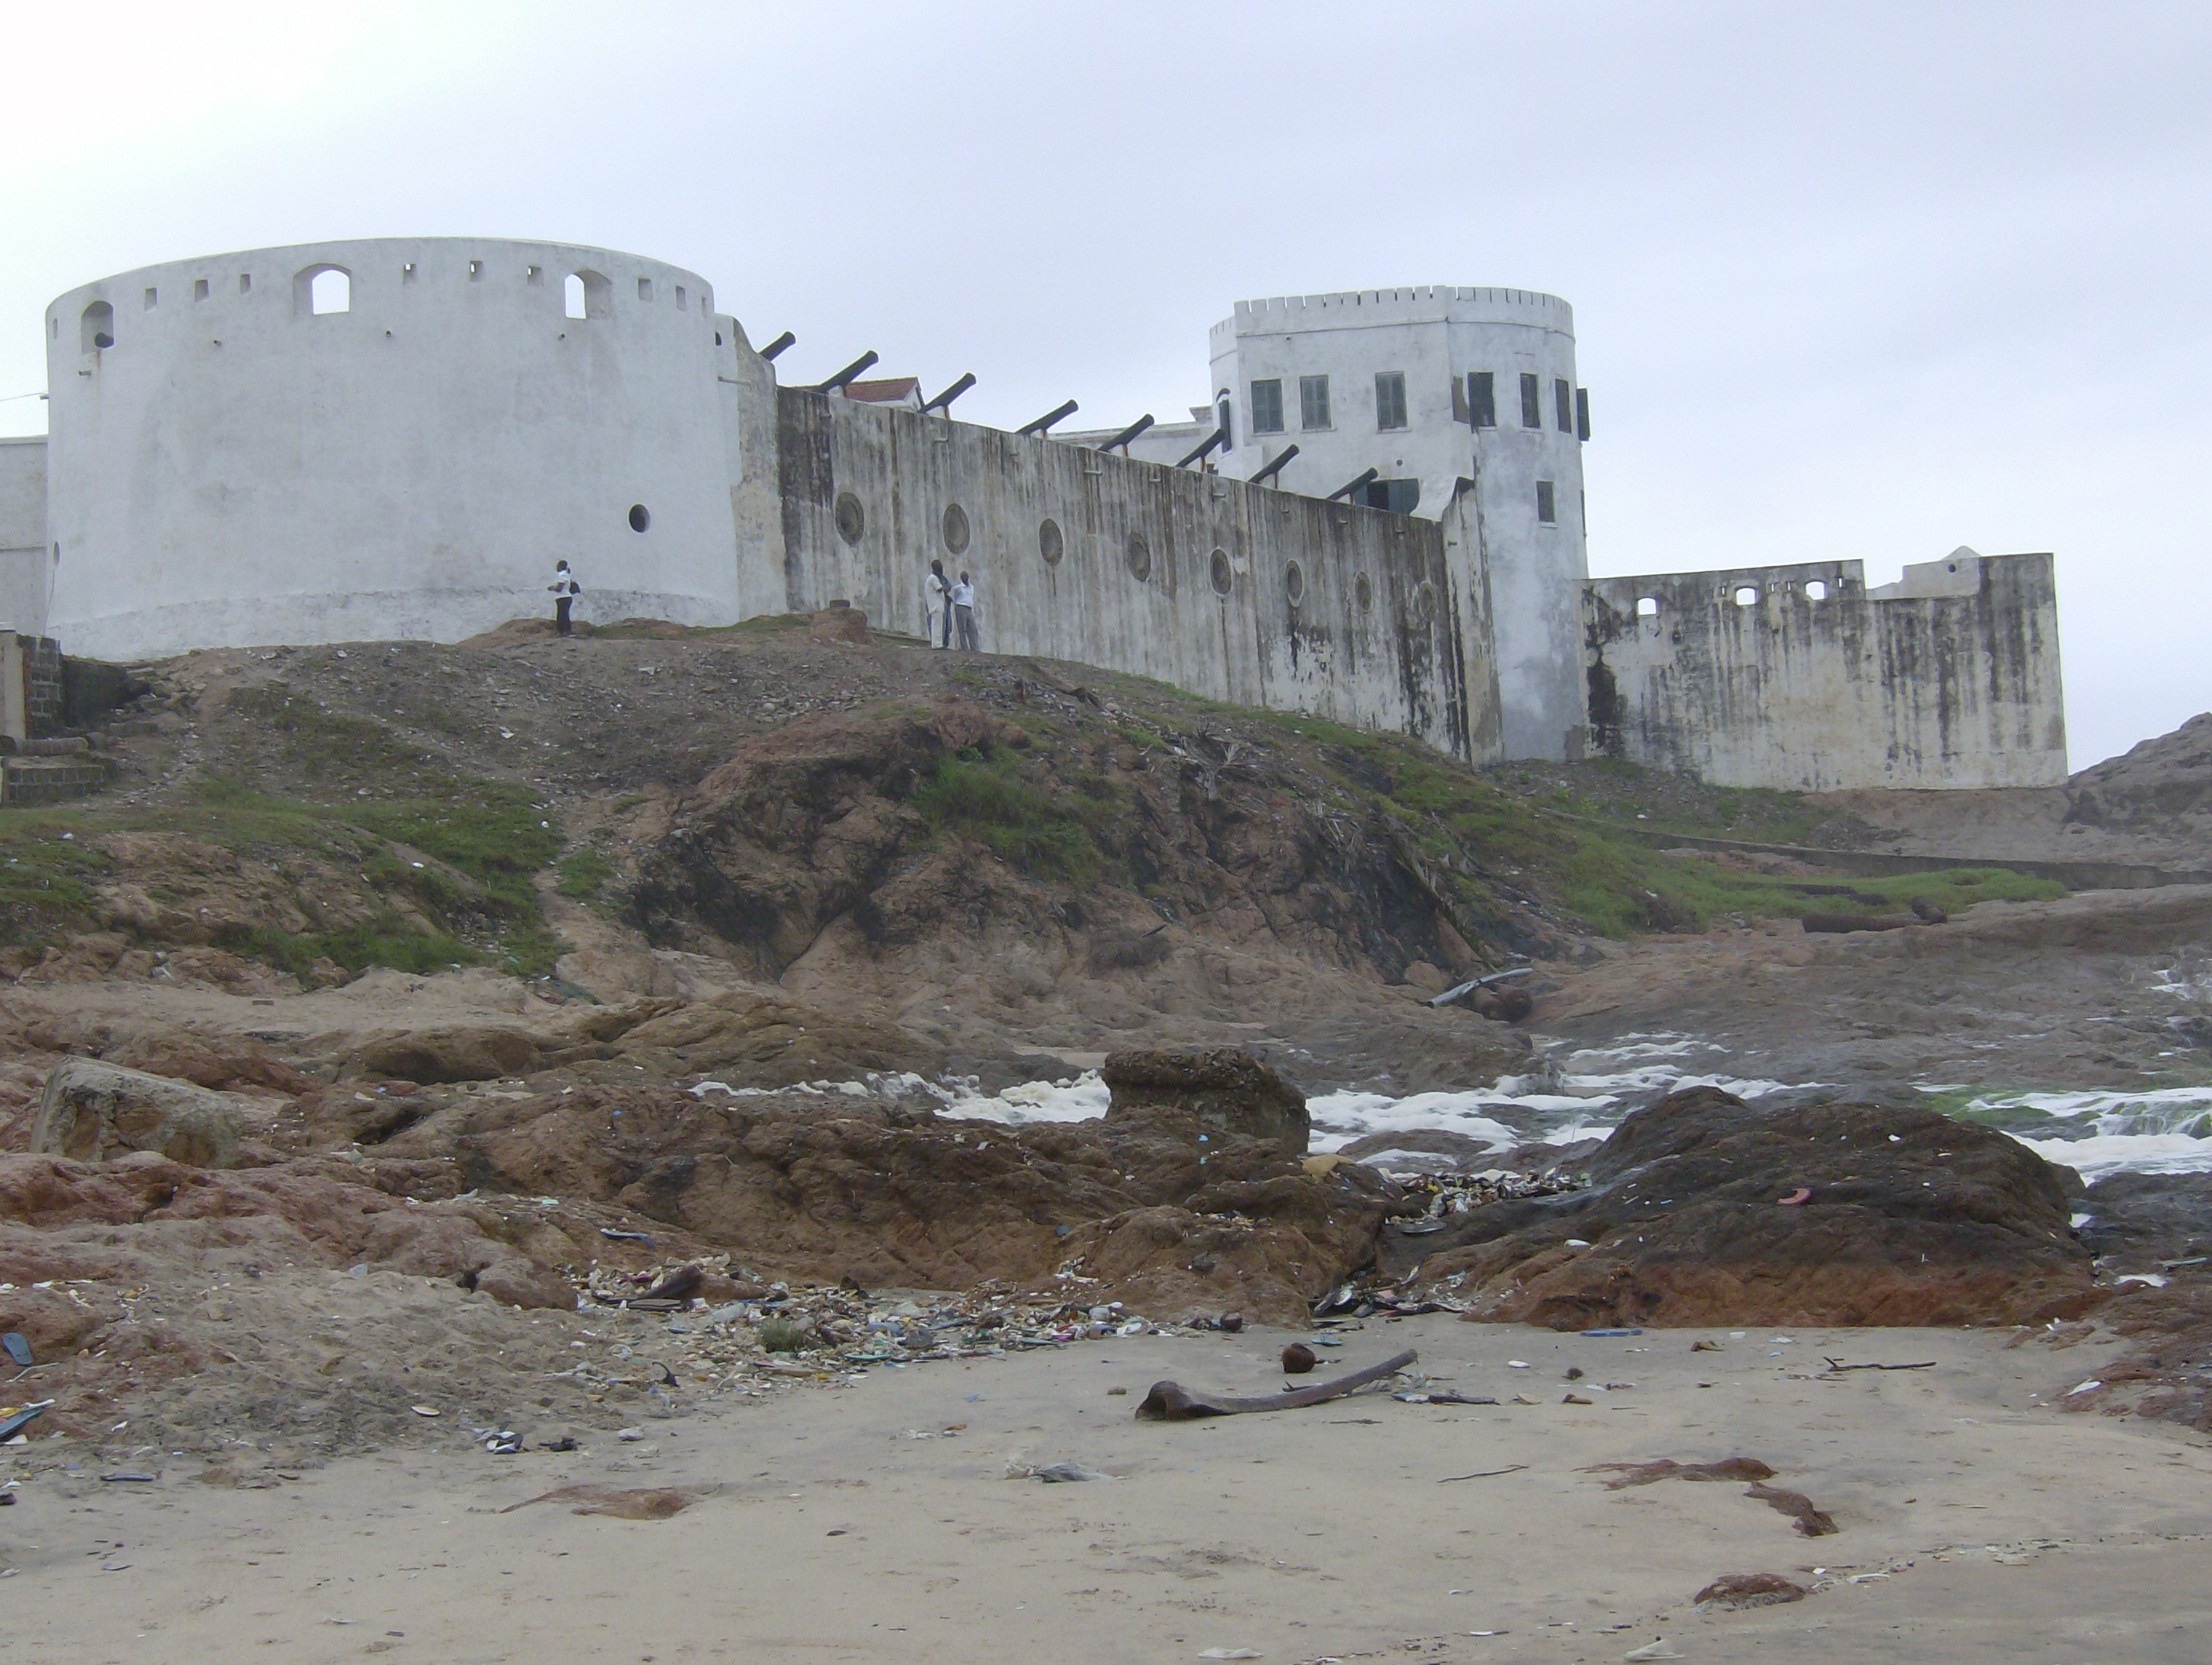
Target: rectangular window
{"type": "Point", "coordinates": [1563, 397]}
{"type": "Point", "coordinates": [1313, 401]}
{"type": "Point", "coordinates": [1389, 399]}
{"type": "Point", "coordinates": [1582, 413]}
{"type": "Point", "coordinates": [1399, 496]}
{"type": "Point", "coordinates": [1547, 510]}
{"type": "Point", "coordinates": [153, 299]}
{"type": "Point", "coordinates": [1228, 432]}
{"type": "Point", "coordinates": [1482, 397]}
{"type": "Point", "coordinates": [1532, 401]}
{"type": "Point", "coordinates": [199, 289]}
{"type": "Point", "coordinates": [1266, 407]}
{"type": "Point", "coordinates": [246, 283]}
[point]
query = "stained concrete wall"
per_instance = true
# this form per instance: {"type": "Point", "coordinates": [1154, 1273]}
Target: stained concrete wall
{"type": "Point", "coordinates": [25, 564]}
{"type": "Point", "coordinates": [235, 467]}
{"type": "Point", "coordinates": [1228, 590]}
{"type": "Point", "coordinates": [1435, 337]}
{"type": "Point", "coordinates": [1949, 679]}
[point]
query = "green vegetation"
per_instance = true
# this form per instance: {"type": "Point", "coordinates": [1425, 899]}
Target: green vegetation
{"type": "Point", "coordinates": [584, 875]}
{"type": "Point", "coordinates": [983, 796]}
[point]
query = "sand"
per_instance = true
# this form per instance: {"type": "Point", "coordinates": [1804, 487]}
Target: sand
{"type": "Point", "coordinates": [1981, 1523]}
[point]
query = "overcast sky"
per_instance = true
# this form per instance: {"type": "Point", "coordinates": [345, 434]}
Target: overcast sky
{"type": "Point", "coordinates": [1849, 281]}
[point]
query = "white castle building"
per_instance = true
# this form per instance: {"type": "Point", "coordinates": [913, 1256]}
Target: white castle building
{"type": "Point", "coordinates": [1377, 517]}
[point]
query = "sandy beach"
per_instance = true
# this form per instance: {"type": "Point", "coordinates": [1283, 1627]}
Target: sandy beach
{"type": "Point", "coordinates": [877, 1521]}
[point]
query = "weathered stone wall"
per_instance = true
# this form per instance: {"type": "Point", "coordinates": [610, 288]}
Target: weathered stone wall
{"type": "Point", "coordinates": [24, 565]}
{"type": "Point", "coordinates": [1800, 677]}
{"type": "Point", "coordinates": [1231, 591]}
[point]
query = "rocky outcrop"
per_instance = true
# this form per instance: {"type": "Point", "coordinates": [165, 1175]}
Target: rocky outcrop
{"type": "Point", "coordinates": [429, 1057]}
{"type": "Point", "coordinates": [93, 1112]}
{"type": "Point", "coordinates": [1703, 1210]}
{"type": "Point", "coordinates": [2164, 779]}
{"type": "Point", "coordinates": [1204, 1096]}
{"type": "Point", "coordinates": [888, 1195]}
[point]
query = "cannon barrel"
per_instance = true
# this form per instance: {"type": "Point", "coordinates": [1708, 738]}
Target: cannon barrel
{"type": "Point", "coordinates": [1043, 423]}
{"type": "Point", "coordinates": [851, 372]}
{"type": "Point", "coordinates": [943, 400]}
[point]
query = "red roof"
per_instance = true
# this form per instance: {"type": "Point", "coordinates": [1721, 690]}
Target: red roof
{"type": "Point", "coordinates": [889, 391]}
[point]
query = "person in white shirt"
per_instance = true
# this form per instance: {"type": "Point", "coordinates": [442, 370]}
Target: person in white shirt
{"type": "Point", "coordinates": [964, 612]}
{"type": "Point", "coordinates": [565, 591]}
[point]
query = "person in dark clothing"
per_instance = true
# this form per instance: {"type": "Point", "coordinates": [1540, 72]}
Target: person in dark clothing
{"type": "Point", "coordinates": [938, 592]}
{"type": "Point", "coordinates": [565, 591]}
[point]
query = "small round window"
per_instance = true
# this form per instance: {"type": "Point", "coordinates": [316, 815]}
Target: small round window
{"type": "Point", "coordinates": [852, 519]}
{"type": "Point", "coordinates": [956, 528]}
{"type": "Point", "coordinates": [1223, 575]}
{"type": "Point", "coordinates": [1139, 557]}
{"type": "Point", "coordinates": [1424, 602]}
{"type": "Point", "coordinates": [1050, 544]}
{"type": "Point", "coordinates": [640, 517]}
{"type": "Point", "coordinates": [1294, 583]}
{"type": "Point", "coordinates": [1362, 591]}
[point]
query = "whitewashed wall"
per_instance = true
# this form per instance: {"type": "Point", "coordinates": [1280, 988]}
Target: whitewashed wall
{"type": "Point", "coordinates": [1949, 679]}
{"type": "Point", "coordinates": [1372, 638]}
{"type": "Point", "coordinates": [25, 565]}
{"type": "Point", "coordinates": [236, 469]}
{"type": "Point", "coordinates": [1436, 336]}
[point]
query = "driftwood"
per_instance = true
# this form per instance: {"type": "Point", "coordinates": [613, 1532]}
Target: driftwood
{"type": "Point", "coordinates": [1169, 1401]}
{"type": "Point", "coordinates": [1837, 1367]}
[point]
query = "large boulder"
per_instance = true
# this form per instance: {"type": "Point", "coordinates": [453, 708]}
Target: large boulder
{"type": "Point", "coordinates": [1703, 1210]}
{"type": "Point", "coordinates": [94, 1112]}
{"type": "Point", "coordinates": [438, 1055]}
{"type": "Point", "coordinates": [1226, 1093]}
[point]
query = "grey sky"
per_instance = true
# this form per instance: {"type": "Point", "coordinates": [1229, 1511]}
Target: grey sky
{"type": "Point", "coordinates": [1849, 281]}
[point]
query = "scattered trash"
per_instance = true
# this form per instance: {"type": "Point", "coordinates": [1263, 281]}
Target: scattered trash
{"type": "Point", "coordinates": [18, 1348]}
{"type": "Point", "coordinates": [127, 1477]}
{"type": "Point", "coordinates": [1169, 1401]}
{"type": "Point", "coordinates": [2087, 1386]}
{"type": "Point", "coordinates": [1482, 1474]}
{"type": "Point", "coordinates": [1298, 1358]}
{"type": "Point", "coordinates": [1232, 1653]}
{"type": "Point", "coordinates": [1517, 1363]}
{"type": "Point", "coordinates": [625, 1236]}
{"type": "Point", "coordinates": [425, 1410]}
{"type": "Point", "coordinates": [1433, 1396]}
{"type": "Point", "coordinates": [629, 1436]}
{"type": "Point", "coordinates": [566, 1443]}
{"type": "Point", "coordinates": [1231, 1323]}
{"type": "Point", "coordinates": [501, 1442]}
{"type": "Point", "coordinates": [1655, 1650]}
{"type": "Point", "coordinates": [1576, 1399]}
{"type": "Point", "coordinates": [1630, 1330]}
{"type": "Point", "coordinates": [1801, 1195]}
{"type": "Point", "coordinates": [1062, 1473]}
{"type": "Point", "coordinates": [13, 1420]}
{"type": "Point", "coordinates": [1708, 1346]}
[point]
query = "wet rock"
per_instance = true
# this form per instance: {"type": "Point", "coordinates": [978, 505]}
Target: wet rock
{"type": "Point", "coordinates": [1912, 1218]}
{"type": "Point", "coordinates": [93, 1112]}
{"type": "Point", "coordinates": [1298, 1359]}
{"type": "Point", "coordinates": [1223, 1093]}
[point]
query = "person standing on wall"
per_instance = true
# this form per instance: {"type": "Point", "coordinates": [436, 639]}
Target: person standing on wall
{"type": "Point", "coordinates": [964, 611]}
{"type": "Point", "coordinates": [936, 618]}
{"type": "Point", "coordinates": [565, 591]}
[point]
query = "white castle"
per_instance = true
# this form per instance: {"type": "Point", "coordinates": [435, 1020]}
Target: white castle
{"type": "Point", "coordinates": [1377, 517]}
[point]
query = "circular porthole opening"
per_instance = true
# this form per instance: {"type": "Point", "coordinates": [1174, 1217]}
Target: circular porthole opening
{"type": "Point", "coordinates": [954, 527]}
{"type": "Point", "coordinates": [1424, 602]}
{"type": "Point", "coordinates": [1362, 591]}
{"type": "Point", "coordinates": [1294, 583]}
{"type": "Point", "coordinates": [640, 517]}
{"type": "Point", "coordinates": [852, 519]}
{"type": "Point", "coordinates": [1050, 544]}
{"type": "Point", "coordinates": [1140, 557]}
{"type": "Point", "coordinates": [1222, 573]}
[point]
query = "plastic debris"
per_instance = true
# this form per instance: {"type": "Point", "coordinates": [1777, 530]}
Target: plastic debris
{"type": "Point", "coordinates": [1655, 1650]}
{"type": "Point", "coordinates": [18, 1348]}
{"type": "Point", "coordinates": [1062, 1473]}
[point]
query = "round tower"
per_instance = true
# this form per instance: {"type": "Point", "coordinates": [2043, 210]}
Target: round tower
{"type": "Point", "coordinates": [394, 438]}
{"type": "Point", "coordinates": [1430, 387]}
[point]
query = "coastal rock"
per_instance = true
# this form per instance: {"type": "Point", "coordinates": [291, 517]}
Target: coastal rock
{"type": "Point", "coordinates": [1910, 1218]}
{"type": "Point", "coordinates": [93, 1112]}
{"type": "Point", "coordinates": [1223, 1093]}
{"type": "Point", "coordinates": [430, 1057]}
